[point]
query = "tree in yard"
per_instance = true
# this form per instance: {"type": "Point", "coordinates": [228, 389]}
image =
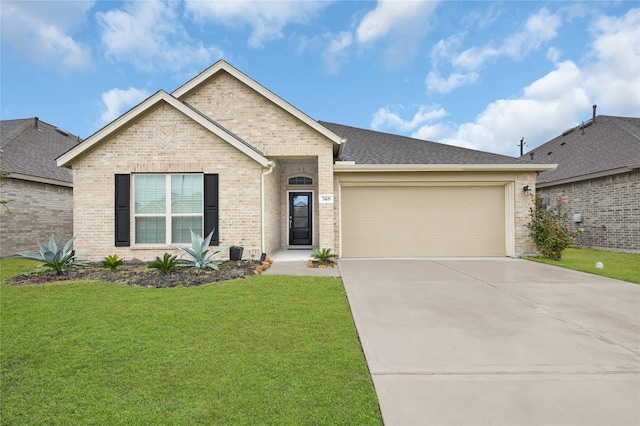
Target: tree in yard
{"type": "Point", "coordinates": [549, 230]}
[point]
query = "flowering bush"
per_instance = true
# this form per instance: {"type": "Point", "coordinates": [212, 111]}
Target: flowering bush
{"type": "Point", "coordinates": [549, 230]}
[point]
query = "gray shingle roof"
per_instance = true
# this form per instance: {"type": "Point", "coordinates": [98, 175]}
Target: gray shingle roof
{"type": "Point", "coordinates": [32, 151]}
{"type": "Point", "coordinates": [371, 147]}
{"type": "Point", "coordinates": [605, 145]}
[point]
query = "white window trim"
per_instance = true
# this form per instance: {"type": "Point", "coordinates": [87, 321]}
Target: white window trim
{"type": "Point", "coordinates": [168, 215]}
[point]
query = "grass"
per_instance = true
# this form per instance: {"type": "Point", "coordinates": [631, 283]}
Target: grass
{"type": "Point", "coordinates": [621, 266]}
{"type": "Point", "coordinates": [265, 350]}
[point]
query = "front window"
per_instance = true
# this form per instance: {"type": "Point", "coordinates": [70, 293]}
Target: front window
{"type": "Point", "coordinates": [167, 207]}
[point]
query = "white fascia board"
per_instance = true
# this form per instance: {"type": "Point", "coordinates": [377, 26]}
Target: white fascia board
{"type": "Point", "coordinates": [546, 184]}
{"type": "Point", "coordinates": [222, 65]}
{"type": "Point", "coordinates": [65, 159]}
{"type": "Point", "coordinates": [442, 167]}
{"type": "Point", "coordinates": [39, 179]}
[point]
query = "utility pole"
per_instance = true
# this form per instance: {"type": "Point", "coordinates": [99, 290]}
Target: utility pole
{"type": "Point", "coordinates": [522, 144]}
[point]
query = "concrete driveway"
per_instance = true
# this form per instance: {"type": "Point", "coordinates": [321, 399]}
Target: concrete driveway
{"type": "Point", "coordinates": [497, 342]}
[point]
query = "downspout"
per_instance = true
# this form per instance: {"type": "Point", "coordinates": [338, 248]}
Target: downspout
{"type": "Point", "coordinates": [271, 166]}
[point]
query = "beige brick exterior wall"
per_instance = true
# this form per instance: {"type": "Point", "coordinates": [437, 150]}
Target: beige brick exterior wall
{"type": "Point", "coordinates": [37, 211]}
{"type": "Point", "coordinates": [165, 141]}
{"type": "Point", "coordinates": [273, 200]}
{"type": "Point", "coordinates": [279, 136]}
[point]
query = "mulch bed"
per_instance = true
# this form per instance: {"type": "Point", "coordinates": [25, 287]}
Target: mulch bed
{"type": "Point", "coordinates": [136, 273]}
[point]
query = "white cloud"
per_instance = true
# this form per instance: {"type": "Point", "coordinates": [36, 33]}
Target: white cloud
{"type": "Point", "coordinates": [401, 25]}
{"type": "Point", "coordinates": [43, 31]}
{"type": "Point", "coordinates": [435, 83]}
{"type": "Point", "coordinates": [149, 35]}
{"type": "Point", "coordinates": [385, 118]}
{"type": "Point", "coordinates": [612, 76]}
{"type": "Point", "coordinates": [563, 97]}
{"type": "Point", "coordinates": [392, 16]}
{"type": "Point", "coordinates": [117, 101]}
{"type": "Point", "coordinates": [431, 132]}
{"type": "Point", "coordinates": [539, 28]}
{"type": "Point", "coordinates": [335, 52]}
{"type": "Point", "coordinates": [547, 106]}
{"type": "Point", "coordinates": [267, 18]}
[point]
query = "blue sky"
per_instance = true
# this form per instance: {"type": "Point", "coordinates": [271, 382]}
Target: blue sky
{"type": "Point", "coordinates": [478, 74]}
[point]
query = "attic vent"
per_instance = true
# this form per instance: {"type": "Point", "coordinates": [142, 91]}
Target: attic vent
{"type": "Point", "coordinates": [566, 132]}
{"type": "Point", "coordinates": [550, 152]}
{"type": "Point", "coordinates": [62, 132]}
{"type": "Point", "coordinates": [562, 143]}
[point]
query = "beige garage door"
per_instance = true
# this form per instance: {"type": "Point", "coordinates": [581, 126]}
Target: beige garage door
{"type": "Point", "coordinates": [423, 221]}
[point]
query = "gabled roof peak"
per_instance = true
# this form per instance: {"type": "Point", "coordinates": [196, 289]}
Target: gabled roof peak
{"type": "Point", "coordinates": [223, 66]}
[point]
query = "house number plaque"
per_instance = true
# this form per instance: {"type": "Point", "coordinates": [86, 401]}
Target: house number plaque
{"type": "Point", "coordinates": [326, 198]}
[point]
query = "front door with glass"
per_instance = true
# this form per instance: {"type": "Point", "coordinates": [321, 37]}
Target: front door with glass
{"type": "Point", "coordinates": [300, 220]}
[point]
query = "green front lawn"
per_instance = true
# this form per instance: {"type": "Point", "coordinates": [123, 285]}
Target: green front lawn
{"type": "Point", "coordinates": [621, 266]}
{"type": "Point", "coordinates": [264, 350]}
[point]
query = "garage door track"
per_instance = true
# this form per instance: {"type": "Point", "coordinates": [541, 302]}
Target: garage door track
{"type": "Point", "coordinates": [497, 342]}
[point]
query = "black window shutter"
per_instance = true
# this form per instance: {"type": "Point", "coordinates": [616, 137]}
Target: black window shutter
{"type": "Point", "coordinates": [123, 235]}
{"type": "Point", "coordinates": [211, 208]}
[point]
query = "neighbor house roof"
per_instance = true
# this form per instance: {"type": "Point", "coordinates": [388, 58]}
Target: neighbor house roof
{"type": "Point", "coordinates": [602, 146]}
{"type": "Point", "coordinates": [29, 148]}
{"type": "Point", "coordinates": [376, 149]}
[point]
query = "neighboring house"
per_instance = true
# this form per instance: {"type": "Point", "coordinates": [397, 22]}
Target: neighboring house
{"type": "Point", "coordinates": [598, 177]}
{"type": "Point", "coordinates": [41, 192]}
{"type": "Point", "coordinates": [224, 153]}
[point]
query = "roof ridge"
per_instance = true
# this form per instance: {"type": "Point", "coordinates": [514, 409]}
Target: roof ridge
{"type": "Point", "coordinates": [18, 133]}
{"type": "Point", "coordinates": [628, 127]}
{"type": "Point", "coordinates": [395, 135]}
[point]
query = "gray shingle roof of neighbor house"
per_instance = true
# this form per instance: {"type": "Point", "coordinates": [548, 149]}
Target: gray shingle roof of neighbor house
{"type": "Point", "coordinates": [604, 146]}
{"type": "Point", "coordinates": [371, 147]}
{"type": "Point", "coordinates": [29, 148]}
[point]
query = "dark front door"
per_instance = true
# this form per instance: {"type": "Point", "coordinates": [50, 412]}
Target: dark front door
{"type": "Point", "coordinates": [300, 209]}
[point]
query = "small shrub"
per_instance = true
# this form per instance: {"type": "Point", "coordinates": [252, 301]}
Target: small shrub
{"type": "Point", "coordinates": [165, 264]}
{"type": "Point", "coordinates": [549, 230]}
{"type": "Point", "coordinates": [56, 258]}
{"type": "Point", "coordinates": [323, 256]}
{"type": "Point", "coordinates": [199, 252]}
{"type": "Point", "coordinates": [112, 261]}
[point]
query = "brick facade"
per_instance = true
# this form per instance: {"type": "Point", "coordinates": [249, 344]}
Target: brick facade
{"type": "Point", "coordinates": [610, 209]}
{"type": "Point", "coordinates": [164, 140]}
{"type": "Point", "coordinates": [37, 211]}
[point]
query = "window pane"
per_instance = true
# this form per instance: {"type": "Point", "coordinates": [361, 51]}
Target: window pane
{"type": "Point", "coordinates": [300, 222]}
{"type": "Point", "coordinates": [186, 194]}
{"type": "Point", "coordinates": [150, 230]}
{"type": "Point", "coordinates": [300, 180]}
{"type": "Point", "coordinates": [181, 226]}
{"type": "Point", "coordinates": [150, 194]}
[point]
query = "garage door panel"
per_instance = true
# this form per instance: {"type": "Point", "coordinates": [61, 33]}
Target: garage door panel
{"type": "Point", "coordinates": [416, 221]}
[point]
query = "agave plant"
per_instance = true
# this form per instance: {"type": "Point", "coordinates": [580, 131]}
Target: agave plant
{"type": "Point", "coordinates": [199, 252]}
{"type": "Point", "coordinates": [54, 257]}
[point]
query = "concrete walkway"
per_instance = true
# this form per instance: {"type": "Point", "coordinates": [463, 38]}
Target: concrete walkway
{"type": "Point", "coordinates": [294, 262]}
{"type": "Point", "coordinates": [497, 342]}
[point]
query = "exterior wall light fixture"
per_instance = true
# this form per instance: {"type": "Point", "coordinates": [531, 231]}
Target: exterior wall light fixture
{"type": "Point", "coordinates": [527, 190]}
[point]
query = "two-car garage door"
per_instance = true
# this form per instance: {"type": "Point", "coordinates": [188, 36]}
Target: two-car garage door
{"type": "Point", "coordinates": [422, 221]}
